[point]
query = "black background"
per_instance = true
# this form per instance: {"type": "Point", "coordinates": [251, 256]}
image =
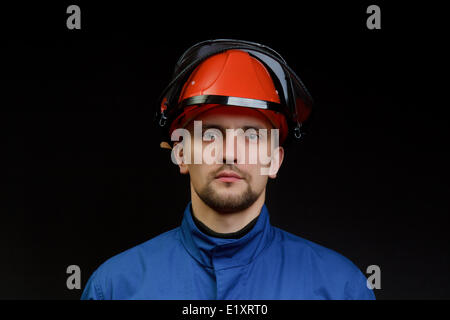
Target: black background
{"type": "Point", "coordinates": [83, 177]}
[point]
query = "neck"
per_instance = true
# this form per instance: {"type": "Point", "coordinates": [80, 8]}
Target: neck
{"type": "Point", "coordinates": [228, 222]}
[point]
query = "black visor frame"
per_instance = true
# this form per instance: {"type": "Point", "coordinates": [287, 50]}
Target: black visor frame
{"type": "Point", "coordinates": [289, 86]}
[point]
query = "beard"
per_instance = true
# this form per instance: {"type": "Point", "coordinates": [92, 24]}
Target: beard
{"type": "Point", "coordinates": [229, 203]}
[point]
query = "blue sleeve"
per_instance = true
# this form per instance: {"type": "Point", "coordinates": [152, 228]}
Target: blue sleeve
{"type": "Point", "coordinates": [357, 289]}
{"type": "Point", "coordinates": [92, 291]}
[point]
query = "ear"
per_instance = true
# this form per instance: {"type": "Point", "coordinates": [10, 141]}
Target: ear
{"type": "Point", "coordinates": [177, 156]}
{"type": "Point", "coordinates": [277, 160]}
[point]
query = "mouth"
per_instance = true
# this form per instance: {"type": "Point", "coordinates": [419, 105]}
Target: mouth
{"type": "Point", "coordinates": [228, 176]}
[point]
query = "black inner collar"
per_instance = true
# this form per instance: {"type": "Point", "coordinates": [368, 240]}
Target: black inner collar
{"type": "Point", "coordinates": [232, 235]}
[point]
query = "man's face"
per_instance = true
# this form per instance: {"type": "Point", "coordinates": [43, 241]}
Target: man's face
{"type": "Point", "coordinates": [231, 186]}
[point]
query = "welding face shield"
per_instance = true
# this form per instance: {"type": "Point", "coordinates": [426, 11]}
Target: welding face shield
{"type": "Point", "coordinates": [292, 99]}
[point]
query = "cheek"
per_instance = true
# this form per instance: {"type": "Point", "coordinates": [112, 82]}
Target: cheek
{"type": "Point", "coordinates": [195, 173]}
{"type": "Point", "coordinates": [256, 180]}
{"type": "Point", "coordinates": [259, 182]}
{"type": "Point", "coordinates": [199, 174]}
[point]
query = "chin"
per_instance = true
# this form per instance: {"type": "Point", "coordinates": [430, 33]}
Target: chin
{"type": "Point", "coordinates": [227, 187]}
{"type": "Point", "coordinates": [230, 192]}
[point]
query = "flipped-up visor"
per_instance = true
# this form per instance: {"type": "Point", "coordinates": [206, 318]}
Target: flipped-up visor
{"type": "Point", "coordinates": [295, 100]}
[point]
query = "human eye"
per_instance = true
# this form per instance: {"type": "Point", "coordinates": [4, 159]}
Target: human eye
{"type": "Point", "coordinates": [252, 136]}
{"type": "Point", "coordinates": [210, 134]}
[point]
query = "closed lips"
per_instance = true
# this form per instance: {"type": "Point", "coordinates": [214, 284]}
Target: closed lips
{"type": "Point", "coordinates": [228, 175]}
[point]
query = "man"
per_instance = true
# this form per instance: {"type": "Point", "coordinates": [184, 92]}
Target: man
{"type": "Point", "coordinates": [229, 110]}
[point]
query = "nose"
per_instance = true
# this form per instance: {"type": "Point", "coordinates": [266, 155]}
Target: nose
{"type": "Point", "coordinates": [230, 149]}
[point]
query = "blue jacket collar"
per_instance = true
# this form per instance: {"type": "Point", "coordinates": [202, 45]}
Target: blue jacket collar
{"type": "Point", "coordinates": [218, 253]}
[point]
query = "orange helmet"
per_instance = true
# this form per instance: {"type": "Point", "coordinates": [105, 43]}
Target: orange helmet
{"type": "Point", "coordinates": [220, 73]}
{"type": "Point", "coordinates": [232, 73]}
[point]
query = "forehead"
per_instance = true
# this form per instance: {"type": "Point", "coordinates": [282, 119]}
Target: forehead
{"type": "Point", "coordinates": [234, 117]}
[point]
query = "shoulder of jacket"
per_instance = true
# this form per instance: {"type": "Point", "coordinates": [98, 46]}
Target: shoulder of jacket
{"type": "Point", "coordinates": [319, 254]}
{"type": "Point", "coordinates": [132, 256]}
